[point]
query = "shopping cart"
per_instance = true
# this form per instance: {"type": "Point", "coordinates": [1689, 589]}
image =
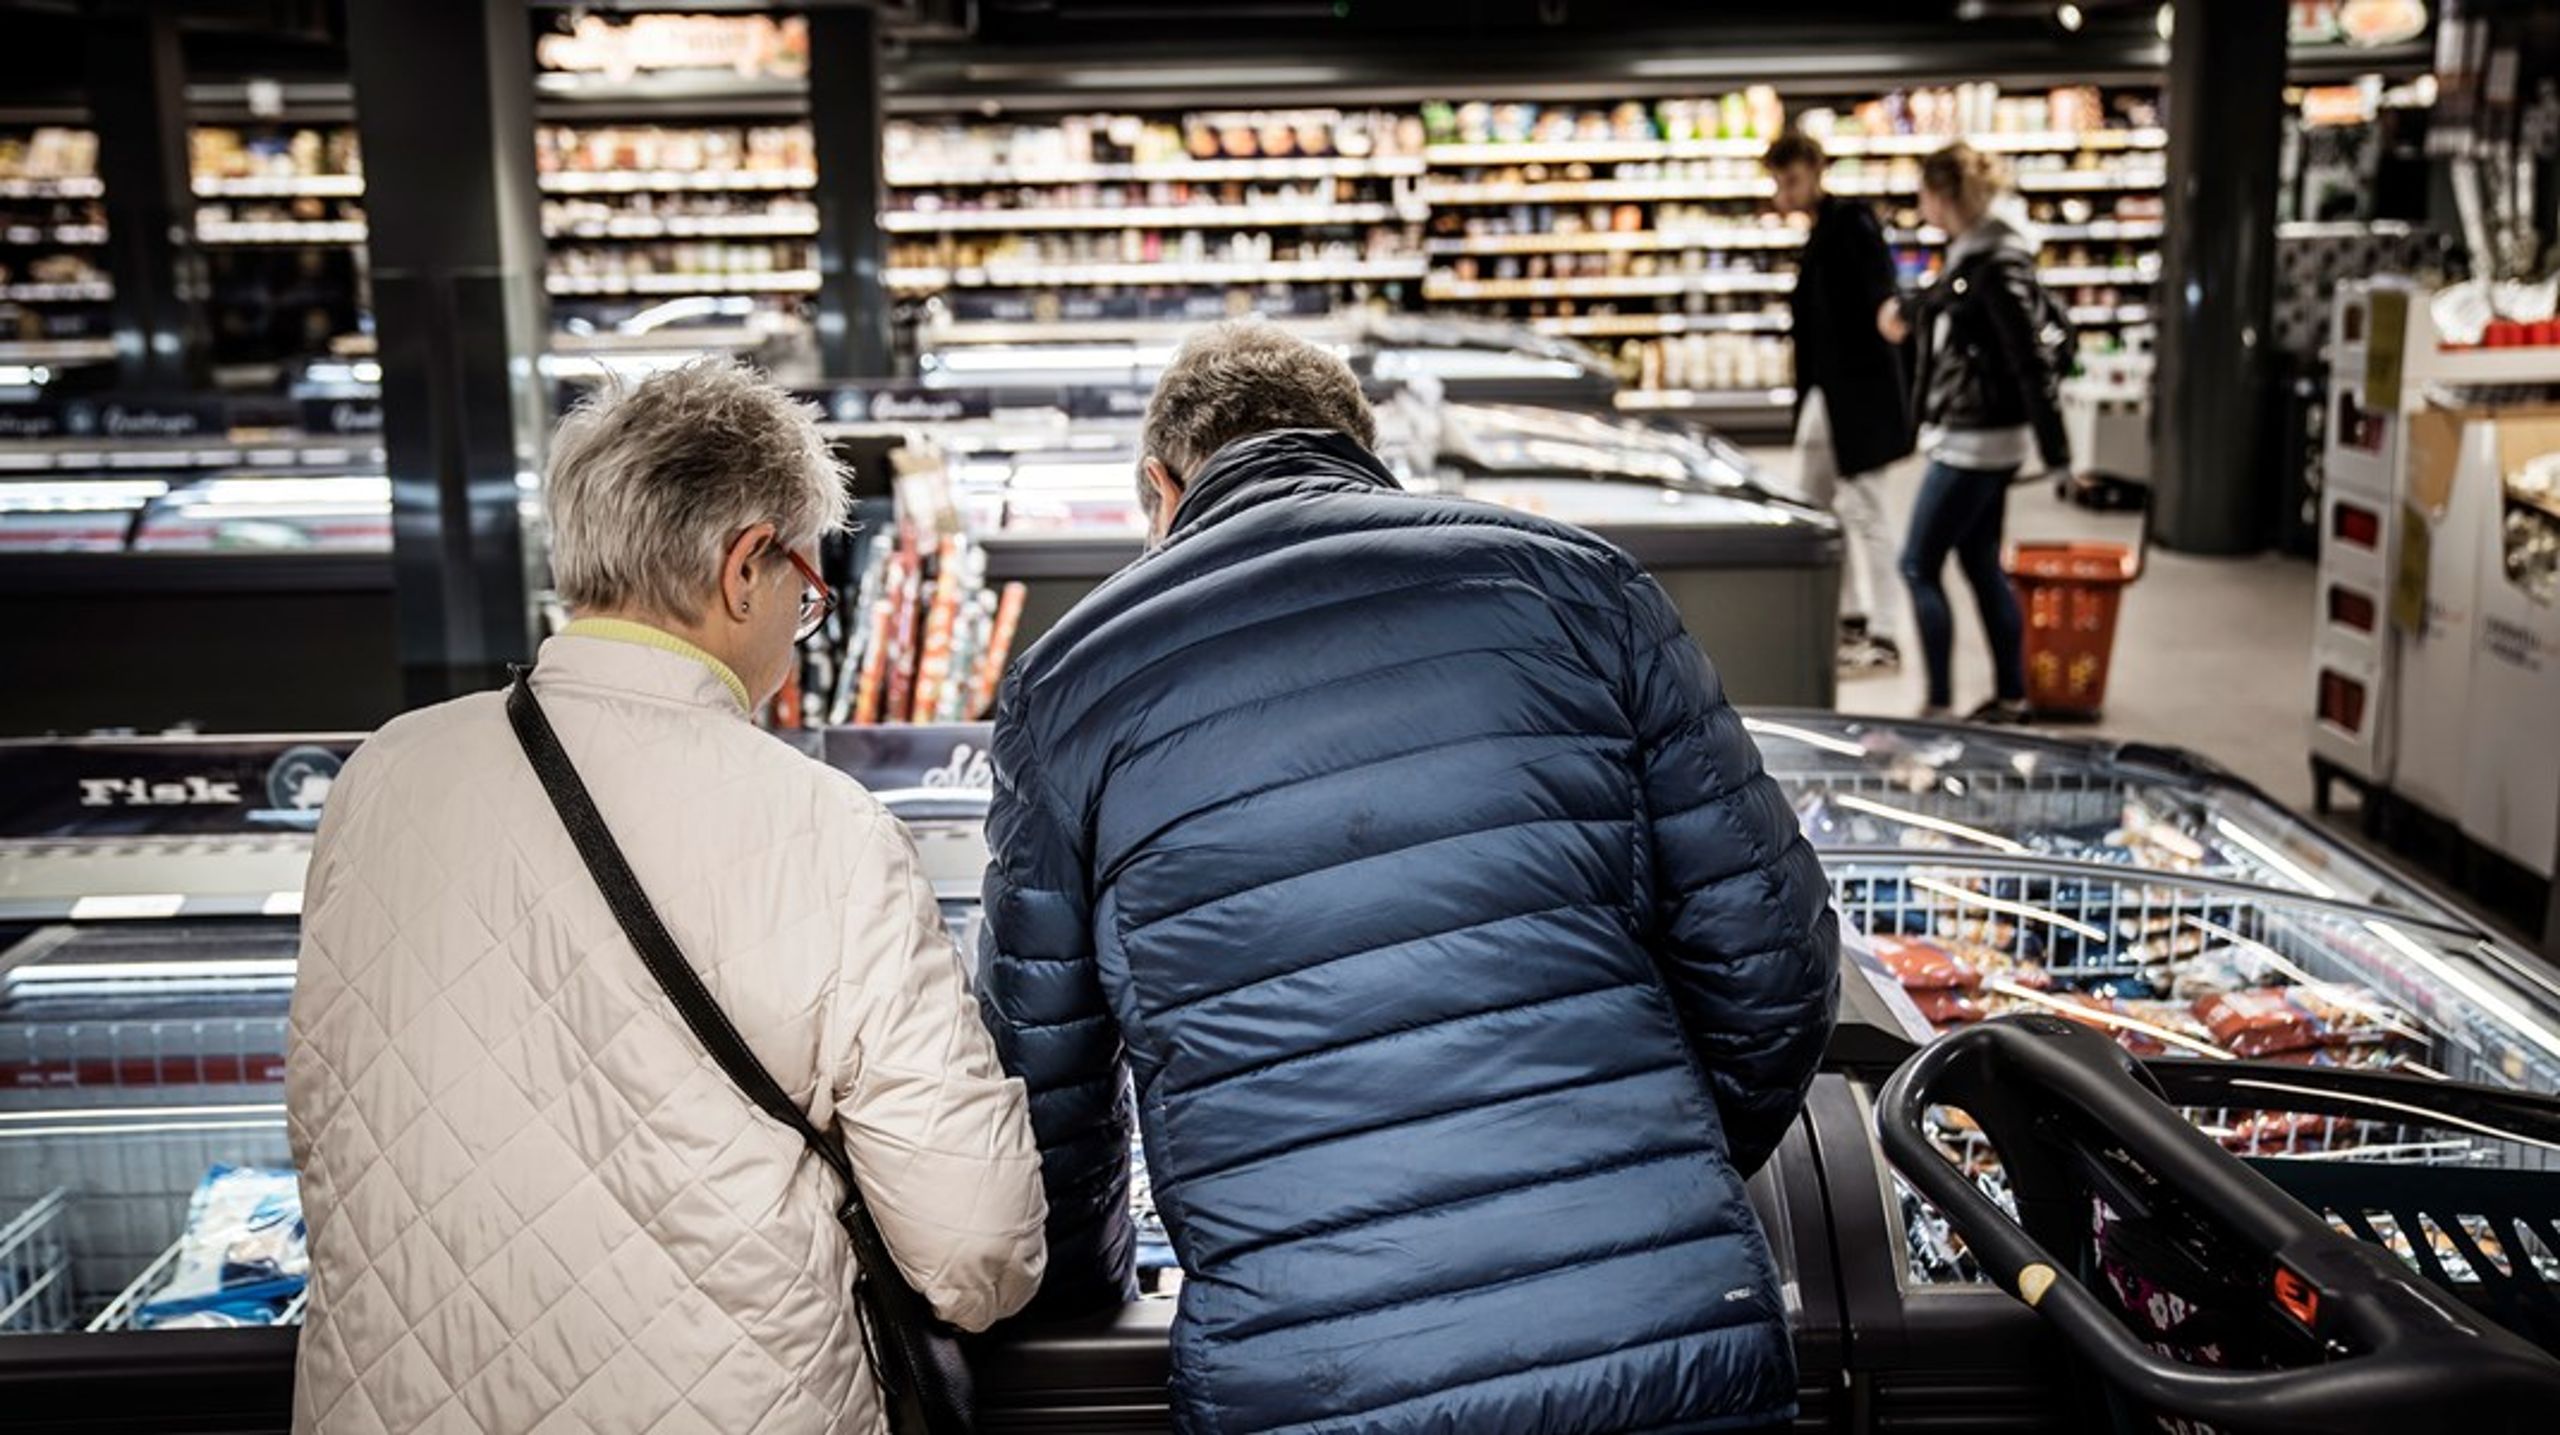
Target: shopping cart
{"type": "Point", "coordinates": [2190, 1282]}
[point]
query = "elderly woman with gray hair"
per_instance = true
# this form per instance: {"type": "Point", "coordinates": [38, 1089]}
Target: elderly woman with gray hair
{"type": "Point", "coordinates": [534, 1201]}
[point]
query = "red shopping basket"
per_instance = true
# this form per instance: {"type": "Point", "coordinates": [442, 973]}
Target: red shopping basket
{"type": "Point", "coordinates": [2070, 593]}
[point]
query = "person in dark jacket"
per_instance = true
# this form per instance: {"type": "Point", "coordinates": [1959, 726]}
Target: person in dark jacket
{"type": "Point", "coordinates": [1400, 858]}
{"type": "Point", "coordinates": [1853, 406]}
{"type": "Point", "coordinates": [1987, 390]}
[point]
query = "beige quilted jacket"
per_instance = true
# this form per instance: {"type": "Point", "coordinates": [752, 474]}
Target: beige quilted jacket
{"type": "Point", "coordinates": [535, 1204]}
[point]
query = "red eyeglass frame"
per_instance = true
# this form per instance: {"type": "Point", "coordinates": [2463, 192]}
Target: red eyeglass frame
{"type": "Point", "coordinates": [811, 621]}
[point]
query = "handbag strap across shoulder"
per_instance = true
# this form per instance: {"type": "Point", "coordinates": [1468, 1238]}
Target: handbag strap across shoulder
{"type": "Point", "coordinates": [649, 937]}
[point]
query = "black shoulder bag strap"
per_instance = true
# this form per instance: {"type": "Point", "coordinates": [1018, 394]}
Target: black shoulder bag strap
{"type": "Point", "coordinates": [915, 1357]}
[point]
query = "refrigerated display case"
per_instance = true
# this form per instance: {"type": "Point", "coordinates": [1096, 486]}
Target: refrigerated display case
{"type": "Point", "coordinates": [146, 946]}
{"type": "Point", "coordinates": [238, 581]}
{"type": "Point", "coordinates": [1046, 481]}
{"type": "Point", "coordinates": [2275, 982]}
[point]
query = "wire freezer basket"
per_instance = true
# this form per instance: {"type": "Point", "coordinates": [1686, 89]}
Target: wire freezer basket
{"type": "Point", "coordinates": [35, 1269]}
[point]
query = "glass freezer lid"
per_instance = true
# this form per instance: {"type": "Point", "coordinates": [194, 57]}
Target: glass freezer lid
{"type": "Point", "coordinates": [1528, 440]}
{"type": "Point", "coordinates": [1606, 505]}
{"type": "Point", "coordinates": [1860, 784]}
{"type": "Point", "coordinates": [2196, 966]}
{"type": "Point", "coordinates": [2194, 971]}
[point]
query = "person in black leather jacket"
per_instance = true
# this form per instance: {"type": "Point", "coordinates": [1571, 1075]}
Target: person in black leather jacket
{"type": "Point", "coordinates": [1986, 394]}
{"type": "Point", "coordinates": [1853, 402]}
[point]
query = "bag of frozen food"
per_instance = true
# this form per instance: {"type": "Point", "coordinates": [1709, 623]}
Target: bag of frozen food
{"type": "Point", "coordinates": [1924, 966]}
{"type": "Point", "coordinates": [1948, 1007]}
{"type": "Point", "coordinates": [2354, 1015]}
{"type": "Point", "coordinates": [1987, 962]}
{"type": "Point", "coordinates": [2259, 1022]}
{"type": "Point", "coordinates": [2211, 971]}
{"type": "Point", "coordinates": [2161, 1028]}
{"type": "Point", "coordinates": [243, 1256]}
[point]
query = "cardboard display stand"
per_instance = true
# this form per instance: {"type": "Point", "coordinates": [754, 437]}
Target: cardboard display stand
{"type": "Point", "coordinates": [2512, 799]}
{"type": "Point", "coordinates": [2449, 496]}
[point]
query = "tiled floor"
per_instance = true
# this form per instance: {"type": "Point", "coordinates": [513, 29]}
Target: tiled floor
{"type": "Point", "coordinates": [2212, 654]}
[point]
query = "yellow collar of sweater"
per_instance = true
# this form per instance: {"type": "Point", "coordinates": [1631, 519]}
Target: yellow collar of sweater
{"type": "Point", "coordinates": [623, 630]}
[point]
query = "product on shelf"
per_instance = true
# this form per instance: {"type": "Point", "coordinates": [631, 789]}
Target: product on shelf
{"type": "Point", "coordinates": [705, 152]}
{"type": "Point", "coordinates": [216, 152]}
{"type": "Point", "coordinates": [919, 153]}
{"type": "Point", "coordinates": [926, 639]}
{"type": "Point", "coordinates": [49, 152]}
{"type": "Point", "coordinates": [693, 257]}
{"type": "Point", "coordinates": [748, 46]}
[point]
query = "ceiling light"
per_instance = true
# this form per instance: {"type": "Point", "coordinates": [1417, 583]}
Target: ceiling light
{"type": "Point", "coordinates": [2069, 17]}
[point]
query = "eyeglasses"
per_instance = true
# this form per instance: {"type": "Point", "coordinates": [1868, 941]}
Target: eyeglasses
{"type": "Point", "coordinates": [817, 600]}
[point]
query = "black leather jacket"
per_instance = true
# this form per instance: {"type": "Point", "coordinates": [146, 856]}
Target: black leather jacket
{"type": "Point", "coordinates": [1990, 372]}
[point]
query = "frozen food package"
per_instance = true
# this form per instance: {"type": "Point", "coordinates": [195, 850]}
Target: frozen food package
{"type": "Point", "coordinates": [1925, 966]}
{"type": "Point", "coordinates": [1947, 1007]}
{"type": "Point", "coordinates": [2354, 1015]}
{"type": "Point", "coordinates": [1987, 962]}
{"type": "Point", "coordinates": [242, 1257]}
{"type": "Point", "coordinates": [2259, 1022]}
{"type": "Point", "coordinates": [2161, 1028]}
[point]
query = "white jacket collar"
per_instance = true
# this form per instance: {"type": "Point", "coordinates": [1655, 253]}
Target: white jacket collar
{"type": "Point", "coordinates": [629, 668]}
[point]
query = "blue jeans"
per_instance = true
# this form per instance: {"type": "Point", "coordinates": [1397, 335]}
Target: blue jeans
{"type": "Point", "coordinates": [1960, 512]}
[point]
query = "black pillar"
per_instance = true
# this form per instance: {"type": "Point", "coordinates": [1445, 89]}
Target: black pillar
{"type": "Point", "coordinates": [845, 115]}
{"type": "Point", "coordinates": [2213, 485]}
{"type": "Point", "coordinates": [444, 112]}
{"type": "Point", "coordinates": [137, 82]}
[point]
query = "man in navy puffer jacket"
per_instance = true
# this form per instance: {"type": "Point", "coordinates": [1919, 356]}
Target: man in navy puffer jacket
{"type": "Point", "coordinates": [1402, 858]}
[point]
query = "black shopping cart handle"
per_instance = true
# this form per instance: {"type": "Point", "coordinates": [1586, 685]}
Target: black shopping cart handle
{"type": "Point", "coordinates": [2404, 1358]}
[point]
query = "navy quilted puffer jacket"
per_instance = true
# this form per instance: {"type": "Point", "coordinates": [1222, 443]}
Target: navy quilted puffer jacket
{"type": "Point", "coordinates": [1402, 856]}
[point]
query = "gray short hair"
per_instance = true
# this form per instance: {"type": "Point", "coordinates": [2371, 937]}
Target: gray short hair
{"type": "Point", "coordinates": [650, 484]}
{"type": "Point", "coordinates": [1245, 377]}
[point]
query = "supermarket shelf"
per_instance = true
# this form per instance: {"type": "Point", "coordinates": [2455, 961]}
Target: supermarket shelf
{"type": "Point", "coordinates": [965, 332]}
{"type": "Point", "coordinates": [1585, 191]}
{"type": "Point", "coordinates": [2032, 180]}
{"type": "Point", "coordinates": [1174, 216]}
{"type": "Point", "coordinates": [1641, 151]}
{"type": "Point", "coordinates": [1327, 168]}
{"type": "Point", "coordinates": [2099, 273]}
{"type": "Point", "coordinates": [1634, 190]}
{"type": "Point", "coordinates": [2543, 503]}
{"type": "Point", "coordinates": [57, 351]}
{"type": "Point", "coordinates": [696, 226]}
{"type": "Point", "coordinates": [997, 276]}
{"type": "Point", "coordinates": [2030, 142]}
{"type": "Point", "coordinates": [1608, 286]}
{"type": "Point", "coordinates": [341, 231]}
{"type": "Point", "coordinates": [45, 234]}
{"type": "Point", "coordinates": [75, 187]}
{"type": "Point", "coordinates": [2531, 365]}
{"type": "Point", "coordinates": [640, 181]}
{"type": "Point", "coordinates": [1737, 237]}
{"type": "Point", "coordinates": [281, 186]}
{"type": "Point", "coordinates": [1637, 241]}
{"type": "Point", "coordinates": [1593, 151]}
{"type": "Point", "coordinates": [779, 281]}
{"type": "Point", "coordinates": [1748, 400]}
{"type": "Point", "coordinates": [2096, 229]}
{"type": "Point", "coordinates": [89, 291]}
{"type": "Point", "coordinates": [1623, 326]}
{"type": "Point", "coordinates": [2108, 315]}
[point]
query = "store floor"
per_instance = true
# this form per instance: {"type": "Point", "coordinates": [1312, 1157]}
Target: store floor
{"type": "Point", "coordinates": [2211, 653]}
